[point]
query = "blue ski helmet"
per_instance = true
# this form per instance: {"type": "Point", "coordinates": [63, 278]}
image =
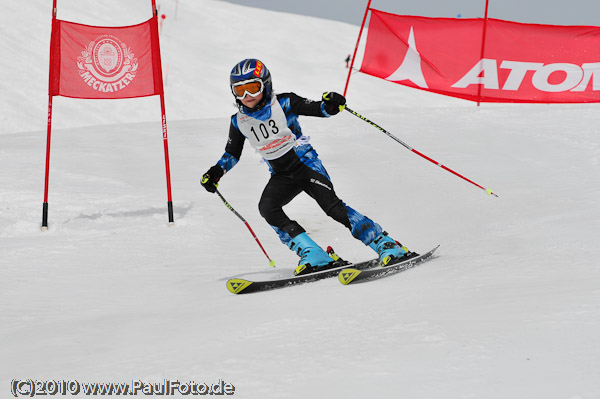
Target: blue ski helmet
{"type": "Point", "coordinates": [252, 69]}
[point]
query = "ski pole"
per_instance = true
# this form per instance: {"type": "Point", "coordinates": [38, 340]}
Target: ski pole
{"type": "Point", "coordinates": [488, 190]}
{"type": "Point", "coordinates": [271, 262]}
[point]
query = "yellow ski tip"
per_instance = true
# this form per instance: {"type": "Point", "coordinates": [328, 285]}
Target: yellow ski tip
{"type": "Point", "coordinates": [272, 263]}
{"type": "Point", "coordinates": [347, 275]}
{"type": "Point", "coordinates": [237, 285]}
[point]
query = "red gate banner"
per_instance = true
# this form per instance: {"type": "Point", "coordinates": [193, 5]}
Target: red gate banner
{"type": "Point", "coordinates": [521, 62]}
{"type": "Point", "coordinates": [104, 62]}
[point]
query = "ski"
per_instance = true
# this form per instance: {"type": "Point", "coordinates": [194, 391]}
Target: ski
{"type": "Point", "coordinates": [351, 274]}
{"type": "Point", "coordinates": [242, 286]}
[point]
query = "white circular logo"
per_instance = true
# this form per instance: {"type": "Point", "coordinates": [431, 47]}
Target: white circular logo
{"type": "Point", "coordinates": [108, 57]}
{"type": "Point", "coordinates": [107, 65]}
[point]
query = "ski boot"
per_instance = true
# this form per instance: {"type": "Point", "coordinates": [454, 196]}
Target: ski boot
{"type": "Point", "coordinates": [312, 257]}
{"type": "Point", "coordinates": [390, 251]}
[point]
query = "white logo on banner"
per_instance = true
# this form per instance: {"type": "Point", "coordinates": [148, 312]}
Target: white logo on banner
{"type": "Point", "coordinates": [575, 77]}
{"type": "Point", "coordinates": [107, 65]}
{"type": "Point", "coordinates": [410, 69]}
{"type": "Point", "coordinates": [572, 77]}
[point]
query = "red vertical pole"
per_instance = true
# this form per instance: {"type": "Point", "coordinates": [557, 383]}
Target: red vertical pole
{"type": "Point", "coordinates": [49, 127]}
{"type": "Point", "coordinates": [47, 175]}
{"type": "Point", "coordinates": [167, 167]}
{"type": "Point", "coordinates": [487, 3]}
{"type": "Point", "coordinates": [362, 26]}
{"type": "Point", "coordinates": [158, 77]}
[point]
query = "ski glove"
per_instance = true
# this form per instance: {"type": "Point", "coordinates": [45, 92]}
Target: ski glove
{"type": "Point", "coordinates": [211, 178]}
{"type": "Point", "coordinates": [334, 102]}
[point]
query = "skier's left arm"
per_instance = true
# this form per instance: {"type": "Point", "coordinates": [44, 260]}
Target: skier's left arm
{"type": "Point", "coordinates": [330, 104]}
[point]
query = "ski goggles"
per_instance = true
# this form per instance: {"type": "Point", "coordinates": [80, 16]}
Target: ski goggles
{"type": "Point", "coordinates": [252, 87]}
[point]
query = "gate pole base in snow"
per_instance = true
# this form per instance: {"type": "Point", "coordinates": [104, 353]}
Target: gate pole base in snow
{"type": "Point", "coordinates": [170, 208]}
{"type": "Point", "coordinates": [44, 216]}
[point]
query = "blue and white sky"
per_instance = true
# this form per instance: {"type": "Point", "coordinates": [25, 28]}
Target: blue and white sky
{"type": "Point", "coordinates": [554, 12]}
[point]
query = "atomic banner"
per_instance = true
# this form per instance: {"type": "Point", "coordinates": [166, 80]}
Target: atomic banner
{"type": "Point", "coordinates": [516, 63]}
{"type": "Point", "coordinates": [104, 62]}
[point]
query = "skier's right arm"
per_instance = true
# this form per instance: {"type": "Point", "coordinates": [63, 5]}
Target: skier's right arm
{"type": "Point", "coordinates": [233, 152]}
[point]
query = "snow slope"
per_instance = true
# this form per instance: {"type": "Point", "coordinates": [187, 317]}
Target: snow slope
{"type": "Point", "coordinates": [509, 308]}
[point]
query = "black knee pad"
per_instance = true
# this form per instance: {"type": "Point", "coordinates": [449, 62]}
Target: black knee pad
{"type": "Point", "coordinates": [270, 211]}
{"type": "Point", "coordinates": [274, 215]}
{"type": "Point", "coordinates": [339, 212]}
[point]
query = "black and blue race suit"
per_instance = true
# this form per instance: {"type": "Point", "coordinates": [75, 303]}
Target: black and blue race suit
{"type": "Point", "coordinates": [275, 133]}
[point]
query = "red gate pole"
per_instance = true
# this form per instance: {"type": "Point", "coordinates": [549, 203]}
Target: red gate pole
{"type": "Point", "coordinates": [47, 175]}
{"type": "Point", "coordinates": [487, 3]}
{"type": "Point", "coordinates": [167, 167]}
{"type": "Point", "coordinates": [356, 47]}
{"type": "Point", "coordinates": [49, 128]}
{"type": "Point", "coordinates": [158, 76]}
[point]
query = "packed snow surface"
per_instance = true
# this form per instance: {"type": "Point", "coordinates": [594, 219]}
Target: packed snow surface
{"type": "Point", "coordinates": [508, 308]}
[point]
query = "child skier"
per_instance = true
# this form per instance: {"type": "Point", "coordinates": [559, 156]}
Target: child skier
{"type": "Point", "coordinates": [269, 122]}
